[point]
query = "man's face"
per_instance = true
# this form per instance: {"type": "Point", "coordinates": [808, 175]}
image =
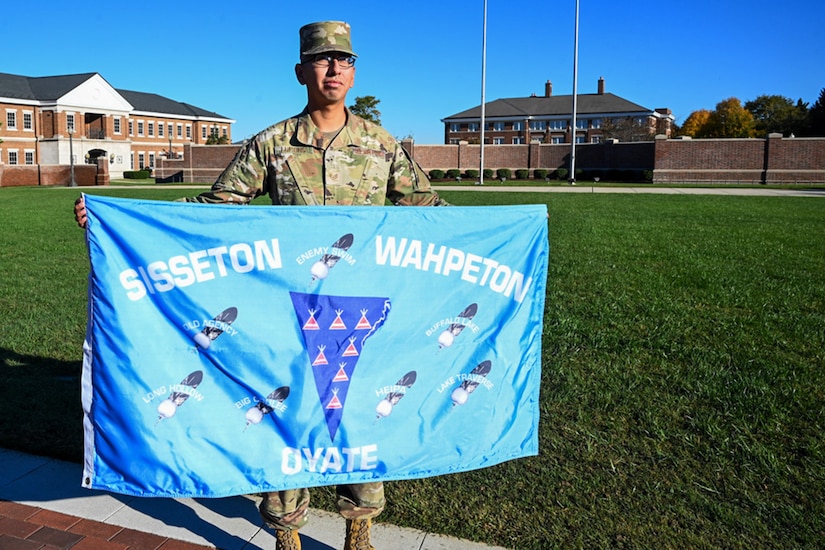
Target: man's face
{"type": "Point", "coordinates": [327, 77]}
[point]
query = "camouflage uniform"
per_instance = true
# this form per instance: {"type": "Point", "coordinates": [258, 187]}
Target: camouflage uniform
{"type": "Point", "coordinates": [297, 164]}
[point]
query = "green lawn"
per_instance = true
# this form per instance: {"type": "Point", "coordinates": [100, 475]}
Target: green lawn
{"type": "Point", "coordinates": [683, 382]}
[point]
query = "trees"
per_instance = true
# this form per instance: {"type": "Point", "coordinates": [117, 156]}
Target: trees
{"type": "Point", "coordinates": [777, 114]}
{"type": "Point", "coordinates": [367, 107]}
{"type": "Point", "coordinates": [816, 117]}
{"type": "Point", "coordinates": [759, 117]}
{"type": "Point", "coordinates": [730, 120]}
{"type": "Point", "coordinates": [627, 129]}
{"type": "Point", "coordinates": [215, 139]}
{"type": "Point", "coordinates": [694, 123]}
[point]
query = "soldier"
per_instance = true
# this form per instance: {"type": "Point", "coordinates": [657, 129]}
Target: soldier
{"type": "Point", "coordinates": [323, 156]}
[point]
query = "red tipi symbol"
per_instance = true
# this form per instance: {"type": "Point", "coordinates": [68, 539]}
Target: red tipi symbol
{"type": "Point", "coordinates": [351, 350]}
{"type": "Point", "coordinates": [363, 323]}
{"type": "Point", "coordinates": [334, 403]}
{"type": "Point", "coordinates": [338, 323]}
{"type": "Point", "coordinates": [321, 359]}
{"type": "Point", "coordinates": [342, 375]}
{"type": "Point", "coordinates": [311, 323]}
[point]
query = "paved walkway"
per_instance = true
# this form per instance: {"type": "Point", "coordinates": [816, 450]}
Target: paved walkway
{"type": "Point", "coordinates": [731, 191]}
{"type": "Point", "coordinates": [42, 506]}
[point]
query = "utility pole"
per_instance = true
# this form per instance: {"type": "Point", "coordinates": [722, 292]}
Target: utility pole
{"type": "Point", "coordinates": [575, 86]}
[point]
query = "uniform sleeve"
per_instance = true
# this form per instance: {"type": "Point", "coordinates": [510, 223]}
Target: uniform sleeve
{"type": "Point", "coordinates": [408, 185]}
{"type": "Point", "coordinates": [242, 180]}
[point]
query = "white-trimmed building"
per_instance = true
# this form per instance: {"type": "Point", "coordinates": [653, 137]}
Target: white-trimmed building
{"type": "Point", "coordinates": [45, 120]}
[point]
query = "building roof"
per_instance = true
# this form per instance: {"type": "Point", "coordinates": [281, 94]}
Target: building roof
{"type": "Point", "coordinates": [52, 88]}
{"type": "Point", "coordinates": [535, 106]}
{"type": "Point", "coordinates": [154, 103]}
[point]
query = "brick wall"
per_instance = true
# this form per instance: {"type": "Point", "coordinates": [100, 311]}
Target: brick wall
{"type": "Point", "coordinates": [624, 156]}
{"type": "Point", "coordinates": [200, 163]}
{"type": "Point", "coordinates": [772, 160]}
{"type": "Point", "coordinates": [49, 174]}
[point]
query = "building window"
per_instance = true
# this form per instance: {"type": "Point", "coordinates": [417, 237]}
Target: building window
{"type": "Point", "coordinates": [11, 120]}
{"type": "Point", "coordinates": [12, 157]}
{"type": "Point", "coordinates": [518, 126]}
{"type": "Point", "coordinates": [581, 139]}
{"type": "Point", "coordinates": [151, 128]}
{"type": "Point", "coordinates": [70, 122]}
{"type": "Point", "coordinates": [27, 122]}
{"type": "Point", "coordinates": [596, 139]}
{"type": "Point", "coordinates": [472, 127]}
{"type": "Point", "coordinates": [116, 125]}
{"type": "Point", "coordinates": [170, 129]}
{"type": "Point", "coordinates": [203, 132]}
{"type": "Point", "coordinates": [518, 140]}
{"type": "Point", "coordinates": [180, 130]}
{"type": "Point", "coordinates": [140, 129]}
{"type": "Point", "coordinates": [29, 154]}
{"type": "Point", "coordinates": [558, 124]}
{"type": "Point", "coordinates": [557, 139]}
{"type": "Point", "coordinates": [498, 141]}
{"type": "Point", "coordinates": [131, 161]}
{"type": "Point", "coordinates": [538, 125]}
{"type": "Point", "coordinates": [131, 133]}
{"type": "Point", "coordinates": [151, 160]}
{"type": "Point", "coordinates": [581, 124]}
{"type": "Point", "coordinates": [224, 131]}
{"type": "Point", "coordinates": [454, 141]}
{"type": "Point", "coordinates": [498, 126]}
{"type": "Point", "coordinates": [189, 132]}
{"type": "Point", "coordinates": [596, 123]}
{"type": "Point", "coordinates": [455, 127]}
{"type": "Point", "coordinates": [141, 160]}
{"type": "Point", "coordinates": [160, 129]}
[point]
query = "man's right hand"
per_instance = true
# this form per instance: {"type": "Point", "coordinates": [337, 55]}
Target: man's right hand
{"type": "Point", "coordinates": [80, 212]}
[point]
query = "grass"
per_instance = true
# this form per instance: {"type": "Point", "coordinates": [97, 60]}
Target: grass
{"type": "Point", "coordinates": [683, 381]}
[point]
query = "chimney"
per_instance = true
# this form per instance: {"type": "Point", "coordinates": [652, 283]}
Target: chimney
{"type": "Point", "coordinates": [601, 85]}
{"type": "Point", "coordinates": [548, 89]}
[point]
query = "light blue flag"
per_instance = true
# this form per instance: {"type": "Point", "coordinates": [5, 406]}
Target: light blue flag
{"type": "Point", "coordinates": [233, 350]}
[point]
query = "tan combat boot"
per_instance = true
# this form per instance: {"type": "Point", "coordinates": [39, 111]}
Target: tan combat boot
{"type": "Point", "coordinates": [287, 540]}
{"type": "Point", "coordinates": [358, 535]}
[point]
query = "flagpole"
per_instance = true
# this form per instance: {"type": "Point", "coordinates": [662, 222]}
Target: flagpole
{"type": "Point", "coordinates": [483, 79]}
{"type": "Point", "coordinates": [575, 86]}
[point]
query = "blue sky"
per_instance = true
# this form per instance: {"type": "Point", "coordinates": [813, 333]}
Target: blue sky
{"type": "Point", "coordinates": [422, 58]}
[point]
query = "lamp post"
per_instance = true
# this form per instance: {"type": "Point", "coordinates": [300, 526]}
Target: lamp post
{"type": "Point", "coordinates": [72, 183]}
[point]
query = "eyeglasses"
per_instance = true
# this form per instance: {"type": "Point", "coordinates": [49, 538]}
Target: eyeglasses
{"type": "Point", "coordinates": [323, 61]}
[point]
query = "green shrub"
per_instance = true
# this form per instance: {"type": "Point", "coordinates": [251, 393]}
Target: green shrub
{"type": "Point", "coordinates": [137, 174]}
{"type": "Point", "coordinates": [522, 174]}
{"type": "Point", "coordinates": [540, 173]}
{"type": "Point", "coordinates": [488, 173]}
{"type": "Point", "coordinates": [436, 174]}
{"type": "Point", "coordinates": [561, 173]}
{"type": "Point", "coordinates": [648, 176]}
{"type": "Point", "coordinates": [472, 174]}
{"type": "Point", "coordinates": [504, 173]}
{"type": "Point", "coordinates": [453, 173]}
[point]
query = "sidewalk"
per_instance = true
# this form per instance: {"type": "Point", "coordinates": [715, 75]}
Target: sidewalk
{"type": "Point", "coordinates": [42, 505]}
{"type": "Point", "coordinates": [728, 191]}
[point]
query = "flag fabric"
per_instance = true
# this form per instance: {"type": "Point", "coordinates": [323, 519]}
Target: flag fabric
{"type": "Point", "coordinates": [233, 350]}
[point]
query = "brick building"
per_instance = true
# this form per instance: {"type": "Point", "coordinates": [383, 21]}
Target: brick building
{"type": "Point", "coordinates": [46, 120]}
{"type": "Point", "coordinates": [546, 119]}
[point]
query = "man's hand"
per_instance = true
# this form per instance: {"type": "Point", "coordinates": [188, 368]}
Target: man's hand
{"type": "Point", "coordinates": [80, 212]}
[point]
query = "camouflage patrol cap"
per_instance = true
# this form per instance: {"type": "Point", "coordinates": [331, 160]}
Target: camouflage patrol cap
{"type": "Point", "coordinates": [326, 36]}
